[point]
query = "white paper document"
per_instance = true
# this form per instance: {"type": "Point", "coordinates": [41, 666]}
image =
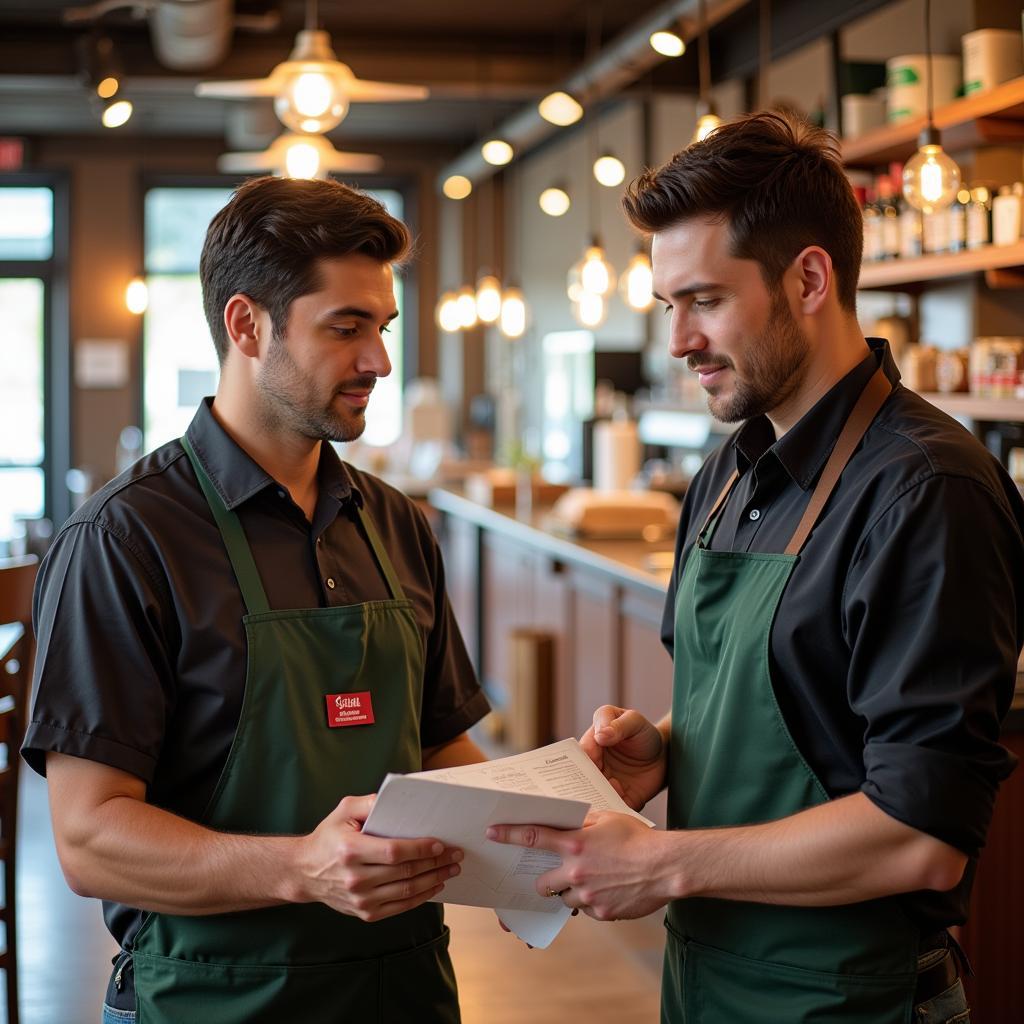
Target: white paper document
{"type": "Point", "coordinates": [555, 786]}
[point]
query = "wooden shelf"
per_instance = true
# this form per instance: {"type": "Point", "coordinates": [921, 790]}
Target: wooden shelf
{"type": "Point", "coordinates": [896, 273]}
{"type": "Point", "coordinates": [993, 117]}
{"type": "Point", "coordinates": [1009, 410]}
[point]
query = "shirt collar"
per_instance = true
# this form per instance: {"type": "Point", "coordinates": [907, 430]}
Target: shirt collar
{"type": "Point", "coordinates": [803, 450]}
{"type": "Point", "coordinates": [237, 476]}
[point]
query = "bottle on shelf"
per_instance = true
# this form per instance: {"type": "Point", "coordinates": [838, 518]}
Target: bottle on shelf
{"type": "Point", "coordinates": [935, 232]}
{"type": "Point", "coordinates": [979, 218]}
{"type": "Point", "coordinates": [1006, 214]}
{"type": "Point", "coordinates": [889, 215]}
{"type": "Point", "coordinates": [872, 227]}
{"type": "Point", "coordinates": [957, 221]}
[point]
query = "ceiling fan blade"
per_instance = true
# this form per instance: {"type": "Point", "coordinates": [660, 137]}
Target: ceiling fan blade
{"type": "Point", "coordinates": [363, 163]}
{"type": "Point", "coordinates": [361, 91]}
{"type": "Point", "coordinates": [239, 89]}
{"type": "Point", "coordinates": [244, 162]}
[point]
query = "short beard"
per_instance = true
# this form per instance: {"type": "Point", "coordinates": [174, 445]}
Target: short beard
{"type": "Point", "coordinates": [776, 364]}
{"type": "Point", "coordinates": [289, 397]}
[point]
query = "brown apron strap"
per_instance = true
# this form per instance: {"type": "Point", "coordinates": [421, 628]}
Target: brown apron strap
{"type": "Point", "coordinates": [719, 502]}
{"type": "Point", "coordinates": [871, 400]}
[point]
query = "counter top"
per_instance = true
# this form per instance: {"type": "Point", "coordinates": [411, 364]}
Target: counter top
{"type": "Point", "coordinates": [624, 560]}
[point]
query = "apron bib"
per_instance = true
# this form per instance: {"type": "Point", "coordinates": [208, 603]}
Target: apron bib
{"type": "Point", "coordinates": [286, 770]}
{"type": "Point", "coordinates": [733, 762]}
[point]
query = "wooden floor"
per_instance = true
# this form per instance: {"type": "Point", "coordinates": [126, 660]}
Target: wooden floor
{"type": "Point", "coordinates": [594, 972]}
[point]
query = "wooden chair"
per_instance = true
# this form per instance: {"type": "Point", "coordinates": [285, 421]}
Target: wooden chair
{"type": "Point", "coordinates": [17, 648]}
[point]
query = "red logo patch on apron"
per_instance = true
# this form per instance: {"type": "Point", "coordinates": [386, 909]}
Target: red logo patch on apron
{"type": "Point", "coordinates": [349, 709]}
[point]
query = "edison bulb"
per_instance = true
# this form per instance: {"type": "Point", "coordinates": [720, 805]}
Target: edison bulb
{"type": "Point", "coordinates": [591, 310]}
{"type": "Point", "coordinates": [488, 299]}
{"type": "Point", "coordinates": [554, 201]}
{"type": "Point", "coordinates": [301, 160]}
{"type": "Point", "coordinates": [513, 313]}
{"type": "Point", "coordinates": [931, 179]}
{"type": "Point", "coordinates": [465, 305]}
{"type": "Point", "coordinates": [597, 275]}
{"type": "Point", "coordinates": [311, 101]}
{"type": "Point", "coordinates": [706, 124]}
{"type": "Point", "coordinates": [637, 284]}
{"type": "Point", "coordinates": [447, 314]}
{"type": "Point", "coordinates": [609, 170]}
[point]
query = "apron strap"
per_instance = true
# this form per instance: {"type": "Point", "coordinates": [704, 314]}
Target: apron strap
{"type": "Point", "coordinates": [872, 399]}
{"type": "Point", "coordinates": [233, 535]}
{"type": "Point", "coordinates": [397, 593]}
{"type": "Point", "coordinates": [717, 507]}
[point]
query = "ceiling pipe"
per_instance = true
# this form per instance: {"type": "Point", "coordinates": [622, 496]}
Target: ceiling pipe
{"type": "Point", "coordinates": [609, 71]}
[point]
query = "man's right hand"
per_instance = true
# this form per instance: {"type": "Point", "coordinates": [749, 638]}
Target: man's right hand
{"type": "Point", "coordinates": [630, 751]}
{"type": "Point", "coordinates": [366, 876]}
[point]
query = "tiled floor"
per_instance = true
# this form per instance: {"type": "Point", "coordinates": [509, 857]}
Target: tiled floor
{"type": "Point", "coordinates": [602, 973]}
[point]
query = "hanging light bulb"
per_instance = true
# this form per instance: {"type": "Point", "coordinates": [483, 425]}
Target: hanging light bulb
{"type": "Point", "coordinates": [302, 159]}
{"type": "Point", "coordinates": [311, 101]}
{"type": "Point", "coordinates": [465, 304]}
{"type": "Point", "coordinates": [591, 310]}
{"type": "Point", "coordinates": [513, 313]}
{"type": "Point", "coordinates": [117, 113]}
{"type": "Point", "coordinates": [706, 124]}
{"type": "Point", "coordinates": [637, 283]}
{"type": "Point", "coordinates": [554, 201]}
{"type": "Point", "coordinates": [136, 296]}
{"type": "Point", "coordinates": [668, 44]}
{"type": "Point", "coordinates": [609, 170]}
{"type": "Point", "coordinates": [497, 152]}
{"type": "Point", "coordinates": [447, 313]}
{"type": "Point", "coordinates": [931, 179]}
{"type": "Point", "coordinates": [560, 108]}
{"type": "Point", "coordinates": [573, 283]}
{"type": "Point", "coordinates": [107, 87]}
{"type": "Point", "coordinates": [597, 275]}
{"type": "Point", "coordinates": [488, 299]}
{"type": "Point", "coordinates": [458, 186]}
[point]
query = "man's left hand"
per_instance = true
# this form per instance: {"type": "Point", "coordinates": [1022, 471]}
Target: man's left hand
{"type": "Point", "coordinates": [614, 867]}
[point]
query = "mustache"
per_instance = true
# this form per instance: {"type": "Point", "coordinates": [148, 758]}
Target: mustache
{"type": "Point", "coordinates": [699, 362]}
{"type": "Point", "coordinates": [365, 383]}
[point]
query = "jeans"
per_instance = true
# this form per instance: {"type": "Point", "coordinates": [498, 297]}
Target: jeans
{"type": "Point", "coordinates": [949, 1007]}
{"type": "Point", "coordinates": [111, 1015]}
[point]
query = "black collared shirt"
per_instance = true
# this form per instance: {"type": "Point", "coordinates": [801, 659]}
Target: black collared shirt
{"type": "Point", "coordinates": [894, 648]}
{"type": "Point", "coordinates": [141, 651]}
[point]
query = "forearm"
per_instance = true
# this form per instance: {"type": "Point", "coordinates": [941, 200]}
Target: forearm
{"type": "Point", "coordinates": [459, 751]}
{"type": "Point", "coordinates": [140, 855]}
{"type": "Point", "coordinates": [844, 851]}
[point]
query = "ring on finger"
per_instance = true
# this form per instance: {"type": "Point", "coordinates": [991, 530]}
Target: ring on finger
{"type": "Point", "coordinates": [556, 892]}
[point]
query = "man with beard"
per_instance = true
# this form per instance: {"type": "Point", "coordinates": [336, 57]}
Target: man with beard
{"type": "Point", "coordinates": [844, 615]}
{"type": "Point", "coordinates": [238, 638]}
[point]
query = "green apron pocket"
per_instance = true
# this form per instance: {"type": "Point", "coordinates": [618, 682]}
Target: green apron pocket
{"type": "Point", "coordinates": [718, 987]}
{"type": "Point", "coordinates": [418, 985]}
{"type": "Point", "coordinates": [171, 991]}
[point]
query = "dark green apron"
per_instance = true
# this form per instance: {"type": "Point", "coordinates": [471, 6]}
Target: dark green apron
{"type": "Point", "coordinates": [287, 770]}
{"type": "Point", "coordinates": [733, 762]}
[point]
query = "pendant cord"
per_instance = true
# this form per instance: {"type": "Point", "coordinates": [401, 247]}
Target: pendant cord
{"type": "Point", "coordinates": [766, 50]}
{"type": "Point", "coordinates": [311, 16]}
{"type": "Point", "coordinates": [928, 51]}
{"type": "Point", "coordinates": [704, 54]}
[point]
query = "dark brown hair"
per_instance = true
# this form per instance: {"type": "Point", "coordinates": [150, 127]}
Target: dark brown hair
{"type": "Point", "coordinates": [780, 184]}
{"type": "Point", "coordinates": [266, 243]}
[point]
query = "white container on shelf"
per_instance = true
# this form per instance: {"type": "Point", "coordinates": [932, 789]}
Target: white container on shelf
{"type": "Point", "coordinates": [1006, 216]}
{"type": "Point", "coordinates": [616, 454]}
{"type": "Point", "coordinates": [862, 113]}
{"type": "Point", "coordinates": [991, 56]}
{"type": "Point", "coordinates": [907, 84]}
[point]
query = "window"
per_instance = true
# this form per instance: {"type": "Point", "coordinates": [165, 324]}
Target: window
{"type": "Point", "coordinates": [179, 360]}
{"type": "Point", "coordinates": [26, 257]}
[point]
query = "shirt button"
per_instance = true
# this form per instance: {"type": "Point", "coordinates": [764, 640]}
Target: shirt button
{"type": "Point", "coordinates": [280, 492]}
{"type": "Point", "coordinates": [755, 514]}
{"type": "Point", "coordinates": [330, 582]}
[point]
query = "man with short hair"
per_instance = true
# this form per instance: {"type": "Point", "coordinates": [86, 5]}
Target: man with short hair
{"type": "Point", "coordinates": [238, 638]}
{"type": "Point", "coordinates": [844, 614]}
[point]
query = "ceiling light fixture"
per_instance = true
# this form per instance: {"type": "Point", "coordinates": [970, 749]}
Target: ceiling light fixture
{"type": "Point", "coordinates": [513, 313]}
{"type": "Point", "coordinates": [560, 108]}
{"type": "Point", "coordinates": [931, 178]}
{"type": "Point", "coordinates": [707, 117]}
{"type": "Point", "coordinates": [609, 170]}
{"type": "Point", "coordinates": [300, 156]}
{"type": "Point", "coordinates": [497, 152]}
{"type": "Point", "coordinates": [312, 89]}
{"type": "Point", "coordinates": [591, 310]}
{"type": "Point", "coordinates": [465, 306]}
{"type": "Point", "coordinates": [116, 113]}
{"type": "Point", "coordinates": [555, 201]}
{"type": "Point", "coordinates": [457, 187]}
{"type": "Point", "coordinates": [136, 296]}
{"type": "Point", "coordinates": [447, 313]}
{"type": "Point", "coordinates": [637, 283]}
{"type": "Point", "coordinates": [488, 299]}
{"type": "Point", "coordinates": [668, 44]}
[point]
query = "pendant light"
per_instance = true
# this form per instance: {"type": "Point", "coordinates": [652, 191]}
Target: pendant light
{"type": "Point", "coordinates": [447, 313]}
{"type": "Point", "coordinates": [931, 178]}
{"type": "Point", "coordinates": [707, 118]}
{"type": "Point", "coordinates": [637, 283]}
{"type": "Point", "coordinates": [515, 313]}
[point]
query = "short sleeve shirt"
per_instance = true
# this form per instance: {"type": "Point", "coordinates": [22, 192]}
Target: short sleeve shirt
{"type": "Point", "coordinates": [894, 647]}
{"type": "Point", "coordinates": [141, 657]}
